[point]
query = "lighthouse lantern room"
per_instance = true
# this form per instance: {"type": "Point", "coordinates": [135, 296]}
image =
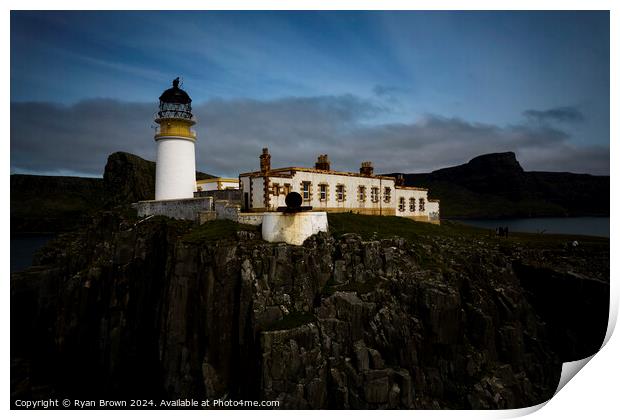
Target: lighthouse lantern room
{"type": "Point", "coordinates": [175, 173]}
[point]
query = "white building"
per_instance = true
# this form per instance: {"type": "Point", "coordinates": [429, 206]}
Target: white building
{"type": "Point", "coordinates": [334, 191]}
{"type": "Point", "coordinates": [217, 184]}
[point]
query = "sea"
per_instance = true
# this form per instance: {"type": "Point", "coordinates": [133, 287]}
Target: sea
{"type": "Point", "coordinates": [591, 226]}
{"type": "Point", "coordinates": [23, 248]}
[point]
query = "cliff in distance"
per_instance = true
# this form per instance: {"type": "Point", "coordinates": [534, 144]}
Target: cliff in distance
{"type": "Point", "coordinates": [495, 186]}
{"type": "Point", "coordinates": [53, 203]}
{"type": "Point", "coordinates": [489, 186]}
{"type": "Point", "coordinates": [63, 203]}
{"type": "Point", "coordinates": [437, 317]}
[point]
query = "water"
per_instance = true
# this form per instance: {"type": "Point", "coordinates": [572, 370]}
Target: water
{"type": "Point", "coordinates": [593, 226]}
{"type": "Point", "coordinates": [23, 248]}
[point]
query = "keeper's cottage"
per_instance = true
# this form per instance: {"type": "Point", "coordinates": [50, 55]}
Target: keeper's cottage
{"type": "Point", "coordinates": [327, 190]}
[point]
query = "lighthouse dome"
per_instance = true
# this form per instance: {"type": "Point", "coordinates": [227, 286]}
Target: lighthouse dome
{"type": "Point", "coordinates": [175, 103]}
{"type": "Point", "coordinates": [175, 95]}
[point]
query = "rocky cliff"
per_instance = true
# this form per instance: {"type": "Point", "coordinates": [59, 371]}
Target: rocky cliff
{"type": "Point", "coordinates": [446, 318]}
{"type": "Point", "coordinates": [495, 185]}
{"type": "Point", "coordinates": [129, 178]}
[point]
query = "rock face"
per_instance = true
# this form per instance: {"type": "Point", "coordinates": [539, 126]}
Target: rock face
{"type": "Point", "coordinates": [129, 178]}
{"type": "Point", "coordinates": [495, 185]}
{"type": "Point", "coordinates": [144, 310]}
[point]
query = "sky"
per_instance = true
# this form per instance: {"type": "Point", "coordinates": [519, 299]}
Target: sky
{"type": "Point", "coordinates": [409, 91]}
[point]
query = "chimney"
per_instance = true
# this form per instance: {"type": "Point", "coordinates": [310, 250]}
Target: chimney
{"type": "Point", "coordinates": [400, 180]}
{"type": "Point", "coordinates": [366, 169]}
{"type": "Point", "coordinates": [265, 161]}
{"type": "Point", "coordinates": [322, 163]}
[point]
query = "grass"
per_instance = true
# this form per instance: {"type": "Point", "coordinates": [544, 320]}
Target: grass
{"type": "Point", "coordinates": [380, 227]}
{"type": "Point", "coordinates": [216, 230]}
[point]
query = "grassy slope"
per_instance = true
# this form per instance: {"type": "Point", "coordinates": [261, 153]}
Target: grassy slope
{"type": "Point", "coordinates": [379, 227]}
{"type": "Point", "coordinates": [460, 202]}
{"type": "Point", "coordinates": [52, 203]}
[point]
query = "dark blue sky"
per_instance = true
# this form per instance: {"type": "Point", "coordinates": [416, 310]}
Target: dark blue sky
{"type": "Point", "coordinates": [533, 82]}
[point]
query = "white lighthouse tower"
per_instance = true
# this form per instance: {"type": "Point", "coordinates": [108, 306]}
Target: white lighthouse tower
{"type": "Point", "coordinates": [175, 173]}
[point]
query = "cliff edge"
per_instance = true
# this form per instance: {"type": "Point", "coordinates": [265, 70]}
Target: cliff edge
{"type": "Point", "coordinates": [440, 317]}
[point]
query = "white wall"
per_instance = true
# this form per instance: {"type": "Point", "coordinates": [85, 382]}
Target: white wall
{"type": "Point", "coordinates": [258, 193]}
{"type": "Point", "coordinates": [408, 194]}
{"type": "Point", "coordinates": [278, 201]}
{"type": "Point", "coordinates": [175, 172]}
{"type": "Point", "coordinates": [351, 184]}
{"type": "Point", "coordinates": [433, 210]}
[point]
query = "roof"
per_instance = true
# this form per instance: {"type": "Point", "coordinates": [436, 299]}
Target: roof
{"type": "Point", "coordinates": [175, 95]}
{"type": "Point", "coordinates": [207, 180]}
{"type": "Point", "coordinates": [275, 172]}
{"type": "Point", "coordinates": [402, 187]}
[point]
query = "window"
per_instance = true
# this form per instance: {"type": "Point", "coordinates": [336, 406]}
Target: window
{"type": "Point", "coordinates": [276, 189]}
{"type": "Point", "coordinates": [401, 204]}
{"type": "Point", "coordinates": [387, 195]}
{"type": "Point", "coordinates": [286, 189]}
{"type": "Point", "coordinates": [374, 194]}
{"type": "Point", "coordinates": [412, 204]}
{"type": "Point", "coordinates": [305, 190]}
{"type": "Point", "coordinates": [421, 201]}
{"type": "Point", "coordinates": [323, 192]}
{"type": "Point", "coordinates": [361, 193]}
{"type": "Point", "coordinates": [340, 192]}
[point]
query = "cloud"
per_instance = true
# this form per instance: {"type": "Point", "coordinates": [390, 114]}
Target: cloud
{"type": "Point", "coordinates": [565, 114]}
{"type": "Point", "coordinates": [54, 139]}
{"type": "Point", "coordinates": [391, 94]}
{"type": "Point", "coordinates": [383, 90]}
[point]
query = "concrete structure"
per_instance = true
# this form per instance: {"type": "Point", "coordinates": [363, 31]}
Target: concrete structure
{"type": "Point", "coordinates": [335, 191]}
{"type": "Point", "coordinates": [293, 228]}
{"type": "Point", "coordinates": [175, 172]}
{"type": "Point", "coordinates": [217, 184]}
{"type": "Point", "coordinates": [186, 209]}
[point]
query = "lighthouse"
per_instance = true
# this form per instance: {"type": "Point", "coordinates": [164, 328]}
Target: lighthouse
{"type": "Point", "coordinates": [175, 173]}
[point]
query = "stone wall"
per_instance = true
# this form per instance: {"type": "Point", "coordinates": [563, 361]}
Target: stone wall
{"type": "Point", "coordinates": [206, 216]}
{"type": "Point", "coordinates": [230, 195]}
{"type": "Point", "coordinates": [186, 209]}
{"type": "Point", "coordinates": [250, 218]}
{"type": "Point", "coordinates": [226, 210]}
{"type": "Point", "coordinates": [232, 211]}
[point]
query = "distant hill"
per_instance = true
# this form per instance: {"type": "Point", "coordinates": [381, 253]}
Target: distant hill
{"type": "Point", "coordinates": [52, 203]}
{"type": "Point", "coordinates": [61, 203]}
{"type": "Point", "coordinates": [495, 185]}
